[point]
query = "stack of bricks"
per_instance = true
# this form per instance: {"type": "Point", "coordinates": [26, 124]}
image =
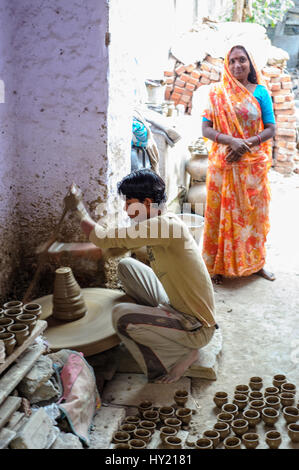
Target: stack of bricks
{"type": "Point", "coordinates": [185, 79]}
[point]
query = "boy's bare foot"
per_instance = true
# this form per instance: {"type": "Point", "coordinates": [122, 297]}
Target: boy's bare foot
{"type": "Point", "coordinates": [177, 371]}
{"type": "Point", "coordinates": [266, 274]}
{"type": "Point", "coordinates": [218, 279]}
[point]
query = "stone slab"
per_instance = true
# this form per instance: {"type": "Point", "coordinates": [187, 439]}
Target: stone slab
{"type": "Point", "coordinates": [105, 423]}
{"type": "Point", "coordinates": [10, 405]}
{"type": "Point", "coordinates": [130, 389]}
{"type": "Point", "coordinates": [67, 441]}
{"type": "Point", "coordinates": [6, 436]}
{"type": "Point", "coordinates": [40, 373]}
{"type": "Point", "coordinates": [16, 421]}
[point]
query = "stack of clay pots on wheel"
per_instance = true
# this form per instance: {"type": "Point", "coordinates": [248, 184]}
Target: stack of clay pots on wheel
{"type": "Point", "coordinates": [16, 324]}
{"type": "Point", "coordinates": [197, 168]}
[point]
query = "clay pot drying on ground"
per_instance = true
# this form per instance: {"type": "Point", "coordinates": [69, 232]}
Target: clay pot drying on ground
{"type": "Point", "coordinates": [181, 397]}
{"type": "Point", "coordinates": [173, 442]}
{"type": "Point", "coordinates": [173, 423]}
{"type": "Point", "coordinates": [273, 402]}
{"type": "Point", "coordinates": [21, 332]}
{"type": "Point", "coordinates": [2, 329]}
{"type": "Point", "coordinates": [232, 443]}
{"type": "Point", "coordinates": [293, 432]}
{"type": "Point", "coordinates": [270, 416]}
{"type": "Point", "coordinates": [120, 437]}
{"type": "Point", "coordinates": [149, 425]}
{"type": "Point", "coordinates": [9, 342]}
{"type": "Point", "coordinates": [256, 383]}
{"type": "Point", "coordinates": [213, 435]}
{"type": "Point", "coordinates": [220, 398]}
{"type": "Point", "coordinates": [33, 308]}
{"type": "Point", "coordinates": [290, 413]}
{"type": "Point", "coordinates": [5, 322]}
{"type": "Point", "coordinates": [204, 443]}
{"type": "Point", "coordinates": [166, 431]}
{"type": "Point", "coordinates": [184, 414]}
{"type": "Point", "coordinates": [122, 446]}
{"type": "Point", "coordinates": [143, 434]}
{"type": "Point", "coordinates": [278, 380]}
{"type": "Point", "coordinates": [129, 428]}
{"type": "Point", "coordinates": [12, 313]}
{"type": "Point", "coordinates": [1, 312]}
{"type": "Point", "coordinates": [288, 388]}
{"type": "Point", "coordinates": [151, 415]}
{"type": "Point", "coordinates": [132, 420]}
{"type": "Point", "coordinates": [250, 440]}
{"type": "Point", "coordinates": [243, 389]}
{"type": "Point", "coordinates": [270, 391]}
{"type": "Point", "coordinates": [68, 301]}
{"type": "Point", "coordinates": [253, 417]}
{"type": "Point", "coordinates": [255, 395]}
{"type": "Point", "coordinates": [257, 405]}
{"type": "Point", "coordinates": [241, 401]}
{"type": "Point", "coordinates": [28, 319]}
{"type": "Point", "coordinates": [225, 418]}
{"type": "Point", "coordinates": [137, 444]}
{"type": "Point", "coordinates": [145, 405]}
{"type": "Point", "coordinates": [13, 304]}
{"type": "Point", "coordinates": [230, 408]}
{"type": "Point", "coordinates": [240, 426]}
{"type": "Point", "coordinates": [166, 412]}
{"type": "Point", "coordinates": [287, 399]}
{"type": "Point", "coordinates": [273, 439]}
{"type": "Point", "coordinates": [223, 429]}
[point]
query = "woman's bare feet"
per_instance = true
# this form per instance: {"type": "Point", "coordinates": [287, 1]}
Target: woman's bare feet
{"type": "Point", "coordinates": [266, 274]}
{"type": "Point", "coordinates": [177, 371]}
{"type": "Point", "coordinates": [218, 279]}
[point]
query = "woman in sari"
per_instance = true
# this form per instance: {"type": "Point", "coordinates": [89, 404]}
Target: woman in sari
{"type": "Point", "coordinates": [239, 119]}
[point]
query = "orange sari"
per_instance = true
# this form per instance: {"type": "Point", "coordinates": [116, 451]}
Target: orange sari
{"type": "Point", "coordinates": [238, 194]}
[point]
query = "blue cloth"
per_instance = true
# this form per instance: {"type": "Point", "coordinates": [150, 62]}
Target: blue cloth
{"type": "Point", "coordinates": [262, 95]}
{"type": "Point", "coordinates": [139, 138]}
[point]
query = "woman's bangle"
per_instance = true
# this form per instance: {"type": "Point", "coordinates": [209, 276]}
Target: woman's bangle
{"type": "Point", "coordinates": [259, 137]}
{"type": "Point", "coordinates": [216, 138]}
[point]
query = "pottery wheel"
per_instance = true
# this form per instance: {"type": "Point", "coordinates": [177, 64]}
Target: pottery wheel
{"type": "Point", "coordinates": [92, 333]}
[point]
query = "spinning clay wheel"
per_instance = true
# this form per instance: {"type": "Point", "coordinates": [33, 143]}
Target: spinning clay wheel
{"type": "Point", "coordinates": [91, 334]}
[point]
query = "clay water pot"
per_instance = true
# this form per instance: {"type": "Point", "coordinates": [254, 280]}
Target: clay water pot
{"type": "Point", "coordinates": [122, 446]}
{"type": "Point", "coordinates": [151, 415]}
{"type": "Point", "coordinates": [5, 322]}
{"type": "Point", "coordinates": [166, 412]}
{"type": "Point", "coordinates": [225, 418]}
{"type": "Point", "coordinates": [9, 342]}
{"type": "Point", "coordinates": [145, 405]}
{"type": "Point", "coordinates": [220, 399]}
{"type": "Point", "coordinates": [173, 423]}
{"type": "Point", "coordinates": [257, 405]}
{"type": "Point", "coordinates": [230, 408]}
{"type": "Point", "coordinates": [173, 442]}
{"type": "Point", "coordinates": [256, 383]}
{"type": "Point", "coordinates": [232, 443]}
{"type": "Point", "coordinates": [241, 401]}
{"type": "Point", "coordinates": [250, 440]}
{"type": "Point", "coordinates": [33, 308]}
{"type": "Point", "coordinates": [197, 196]}
{"type": "Point", "coordinates": [213, 435]}
{"type": "Point", "coordinates": [270, 391]}
{"type": "Point", "coordinates": [270, 416]}
{"type": "Point", "coordinates": [293, 432]}
{"type": "Point", "coordinates": [28, 319]}
{"type": "Point", "coordinates": [132, 420]}
{"type": "Point", "coordinates": [120, 437]}
{"type": "Point", "coordinates": [129, 428]}
{"type": "Point", "coordinates": [253, 417]}
{"type": "Point", "coordinates": [13, 313]}
{"type": "Point", "coordinates": [273, 439]}
{"type": "Point", "coordinates": [240, 426]}
{"type": "Point", "coordinates": [184, 414]}
{"type": "Point", "coordinates": [21, 332]}
{"type": "Point", "coordinates": [278, 380]}
{"type": "Point", "coordinates": [243, 389]}
{"type": "Point", "coordinates": [137, 444]}
{"type": "Point", "coordinates": [149, 425]}
{"type": "Point", "coordinates": [68, 301]}
{"type": "Point", "coordinates": [166, 431]}
{"type": "Point", "coordinates": [181, 397]}
{"type": "Point", "coordinates": [197, 167]}
{"type": "Point", "coordinates": [287, 399]}
{"type": "Point", "coordinates": [204, 443]}
{"type": "Point", "coordinates": [13, 304]}
{"type": "Point", "coordinates": [143, 434]}
{"type": "Point", "coordinates": [288, 388]}
{"type": "Point", "coordinates": [273, 402]}
{"type": "Point", "coordinates": [223, 429]}
{"type": "Point", "coordinates": [255, 396]}
{"type": "Point", "coordinates": [290, 413]}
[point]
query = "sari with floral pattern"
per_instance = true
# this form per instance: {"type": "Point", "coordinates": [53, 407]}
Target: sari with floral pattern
{"type": "Point", "coordinates": [238, 194]}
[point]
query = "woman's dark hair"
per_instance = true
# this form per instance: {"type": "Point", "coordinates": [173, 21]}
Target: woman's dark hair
{"type": "Point", "coordinates": [141, 184]}
{"type": "Point", "coordinates": [252, 78]}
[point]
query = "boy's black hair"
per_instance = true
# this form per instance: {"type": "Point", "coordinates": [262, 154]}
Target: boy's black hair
{"type": "Point", "coordinates": [141, 184]}
{"type": "Point", "coordinates": [252, 78]}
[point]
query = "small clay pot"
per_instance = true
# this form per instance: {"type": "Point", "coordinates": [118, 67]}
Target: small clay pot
{"type": "Point", "coordinates": [290, 413]}
{"type": "Point", "coordinates": [137, 444]}
{"type": "Point", "coordinates": [21, 332]}
{"type": "Point", "coordinates": [223, 429]}
{"type": "Point", "coordinates": [243, 389]}
{"type": "Point", "coordinates": [9, 342]}
{"type": "Point", "coordinates": [181, 397]}
{"type": "Point", "coordinates": [151, 415]}
{"type": "Point", "coordinates": [273, 439]}
{"type": "Point", "coordinates": [270, 391]}
{"type": "Point", "coordinates": [132, 420]}
{"type": "Point", "coordinates": [270, 416]}
{"type": "Point", "coordinates": [213, 435]}
{"type": "Point", "coordinates": [2, 329]}
{"type": "Point", "coordinates": [184, 414]}
{"type": "Point", "coordinates": [287, 399]}
{"type": "Point", "coordinates": [278, 380]}
{"type": "Point", "coordinates": [232, 443]}
{"type": "Point", "coordinates": [120, 437]}
{"type": "Point", "coordinates": [149, 425]}
{"type": "Point", "coordinates": [143, 434]}
{"type": "Point", "coordinates": [204, 443]}
{"type": "Point", "coordinates": [240, 400]}
{"type": "Point", "coordinates": [5, 322]}
{"type": "Point", "coordinates": [166, 431]}
{"type": "Point", "coordinates": [28, 319]}
{"type": "Point", "coordinates": [293, 432]}
{"type": "Point", "coordinates": [145, 405]}
{"type": "Point", "coordinates": [257, 405]}
{"type": "Point", "coordinates": [230, 408]}
{"type": "Point", "coordinates": [13, 304]}
{"type": "Point", "coordinates": [173, 442]}
{"type": "Point", "coordinates": [240, 426]}
{"type": "Point", "coordinates": [253, 417]}
{"type": "Point", "coordinates": [173, 423]}
{"type": "Point", "coordinates": [166, 412]}
{"type": "Point", "coordinates": [255, 395]}
{"type": "Point", "coordinates": [289, 388]}
{"type": "Point", "coordinates": [220, 398]}
{"type": "Point", "coordinates": [250, 440]}
{"type": "Point", "coordinates": [1, 312]}
{"type": "Point", "coordinates": [256, 383]}
{"type": "Point", "coordinates": [273, 401]}
{"type": "Point", "coordinates": [33, 308]}
{"type": "Point", "coordinates": [12, 313]}
{"type": "Point", "coordinates": [225, 418]}
{"type": "Point", "coordinates": [122, 446]}
{"type": "Point", "coordinates": [129, 428]}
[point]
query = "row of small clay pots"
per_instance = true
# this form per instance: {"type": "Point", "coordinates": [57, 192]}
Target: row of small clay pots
{"type": "Point", "coordinates": [19, 307]}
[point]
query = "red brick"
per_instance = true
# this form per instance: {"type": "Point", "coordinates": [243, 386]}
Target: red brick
{"type": "Point", "coordinates": [279, 98]}
{"type": "Point", "coordinates": [169, 80]}
{"type": "Point", "coordinates": [205, 81]}
{"type": "Point", "coordinates": [286, 85]}
{"type": "Point", "coordinates": [287, 132]}
{"type": "Point", "coordinates": [168, 73]}
{"type": "Point", "coordinates": [185, 77]}
{"type": "Point", "coordinates": [188, 92]}
{"type": "Point", "coordinates": [286, 106]}
{"type": "Point", "coordinates": [196, 73]}
{"type": "Point", "coordinates": [205, 73]}
{"type": "Point", "coordinates": [275, 86]}
{"type": "Point", "coordinates": [180, 69]}
{"type": "Point", "coordinates": [285, 78]}
{"type": "Point", "coordinates": [193, 81]}
{"type": "Point", "coordinates": [179, 82]}
{"type": "Point", "coordinates": [190, 68]}
{"type": "Point", "coordinates": [291, 145]}
{"type": "Point", "coordinates": [281, 117]}
{"type": "Point", "coordinates": [190, 86]}
{"type": "Point", "coordinates": [274, 79]}
{"type": "Point", "coordinates": [185, 98]}
{"type": "Point", "coordinates": [206, 66]}
{"type": "Point", "coordinates": [175, 96]}
{"type": "Point", "coordinates": [178, 89]}
{"type": "Point", "coordinates": [167, 93]}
